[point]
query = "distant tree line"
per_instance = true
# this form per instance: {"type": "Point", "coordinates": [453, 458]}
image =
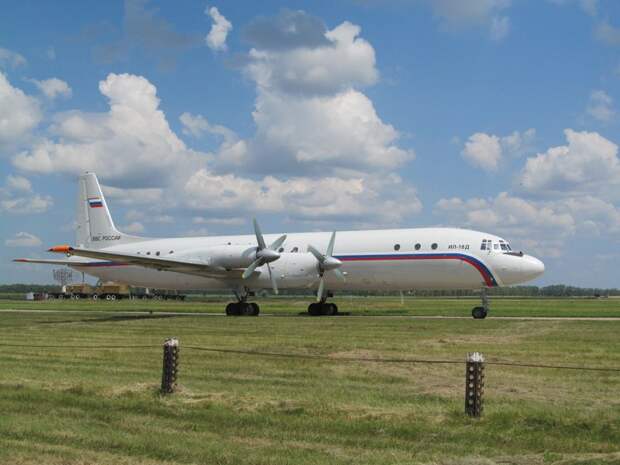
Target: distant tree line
{"type": "Point", "coordinates": [555, 290]}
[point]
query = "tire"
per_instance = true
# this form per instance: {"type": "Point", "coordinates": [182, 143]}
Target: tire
{"type": "Point", "coordinates": [232, 309]}
{"type": "Point", "coordinates": [108, 297]}
{"type": "Point", "coordinates": [113, 297]}
{"type": "Point", "coordinates": [314, 309]}
{"type": "Point", "coordinates": [328, 309]}
{"type": "Point", "coordinates": [255, 309]}
{"type": "Point", "coordinates": [479, 313]}
{"type": "Point", "coordinates": [95, 297]}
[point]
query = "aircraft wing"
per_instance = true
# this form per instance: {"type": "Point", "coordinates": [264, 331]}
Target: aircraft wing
{"type": "Point", "coordinates": [48, 261]}
{"type": "Point", "coordinates": [158, 263]}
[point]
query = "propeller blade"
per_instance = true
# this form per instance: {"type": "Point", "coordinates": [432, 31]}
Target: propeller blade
{"type": "Point", "coordinates": [319, 294]}
{"type": "Point", "coordinates": [318, 255]}
{"type": "Point", "coordinates": [278, 242]}
{"type": "Point", "coordinates": [330, 248]}
{"type": "Point", "coordinates": [339, 274]}
{"type": "Point", "coordinates": [250, 269]}
{"type": "Point", "coordinates": [259, 236]}
{"type": "Point", "coordinates": [272, 276]}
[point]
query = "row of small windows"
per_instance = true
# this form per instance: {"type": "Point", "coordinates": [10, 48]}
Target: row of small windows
{"type": "Point", "coordinates": [417, 246]}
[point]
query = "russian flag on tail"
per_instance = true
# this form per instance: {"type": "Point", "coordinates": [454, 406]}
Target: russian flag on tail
{"type": "Point", "coordinates": [95, 202]}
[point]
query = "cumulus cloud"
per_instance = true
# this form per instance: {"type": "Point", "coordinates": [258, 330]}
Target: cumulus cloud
{"type": "Point", "coordinates": [600, 106]}
{"type": "Point", "coordinates": [145, 30]}
{"type": "Point", "coordinates": [607, 33]}
{"type": "Point", "coordinates": [483, 150]}
{"type": "Point", "coordinates": [459, 14]}
{"type": "Point", "coordinates": [545, 225]}
{"type": "Point", "coordinates": [9, 59]}
{"type": "Point", "coordinates": [17, 197]}
{"type": "Point", "coordinates": [134, 227]}
{"type": "Point", "coordinates": [132, 142]}
{"type": "Point", "coordinates": [325, 198]}
{"type": "Point", "coordinates": [53, 87]}
{"type": "Point", "coordinates": [587, 164]}
{"type": "Point", "coordinates": [216, 39]}
{"type": "Point", "coordinates": [23, 239]}
{"type": "Point", "coordinates": [19, 113]}
{"type": "Point", "coordinates": [486, 151]}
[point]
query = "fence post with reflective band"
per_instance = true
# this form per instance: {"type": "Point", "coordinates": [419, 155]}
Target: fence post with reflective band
{"type": "Point", "coordinates": [171, 366]}
{"type": "Point", "coordinates": [474, 384]}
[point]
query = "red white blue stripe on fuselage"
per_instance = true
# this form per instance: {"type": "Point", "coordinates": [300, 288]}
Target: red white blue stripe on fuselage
{"type": "Point", "coordinates": [484, 271]}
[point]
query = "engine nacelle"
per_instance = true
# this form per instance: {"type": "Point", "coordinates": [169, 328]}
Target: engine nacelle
{"type": "Point", "coordinates": [230, 256]}
{"type": "Point", "coordinates": [292, 270]}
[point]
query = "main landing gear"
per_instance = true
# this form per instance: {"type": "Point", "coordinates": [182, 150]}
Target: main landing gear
{"type": "Point", "coordinates": [480, 313]}
{"type": "Point", "coordinates": [242, 307]}
{"type": "Point", "coordinates": [322, 308]}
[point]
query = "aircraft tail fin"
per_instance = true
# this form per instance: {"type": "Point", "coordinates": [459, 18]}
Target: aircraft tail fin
{"type": "Point", "coordinates": [95, 227]}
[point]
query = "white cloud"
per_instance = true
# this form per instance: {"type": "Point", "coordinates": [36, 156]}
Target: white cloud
{"type": "Point", "coordinates": [468, 12]}
{"type": "Point", "coordinates": [483, 150]}
{"type": "Point", "coordinates": [11, 59]}
{"type": "Point", "coordinates": [23, 239]}
{"type": "Point", "coordinates": [132, 142]}
{"type": "Point", "coordinates": [19, 113]}
{"type": "Point", "coordinates": [340, 131]}
{"type": "Point", "coordinates": [588, 6]}
{"type": "Point", "coordinates": [18, 183]}
{"type": "Point", "coordinates": [17, 197]}
{"type": "Point", "coordinates": [607, 33]}
{"type": "Point", "coordinates": [487, 150]}
{"type": "Point", "coordinates": [216, 39]}
{"type": "Point", "coordinates": [327, 198]}
{"type": "Point", "coordinates": [600, 106]}
{"type": "Point", "coordinates": [133, 228]}
{"type": "Point", "coordinates": [587, 164]}
{"type": "Point", "coordinates": [500, 27]}
{"type": "Point", "coordinates": [53, 88]}
{"type": "Point", "coordinates": [346, 62]}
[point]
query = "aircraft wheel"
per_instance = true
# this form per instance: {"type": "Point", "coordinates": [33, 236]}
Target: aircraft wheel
{"type": "Point", "coordinates": [314, 309]}
{"type": "Point", "coordinates": [232, 309]}
{"type": "Point", "coordinates": [479, 313]}
{"type": "Point", "coordinates": [328, 309]}
{"type": "Point", "coordinates": [95, 297]}
{"type": "Point", "coordinates": [108, 297]}
{"type": "Point", "coordinates": [255, 309]}
{"type": "Point", "coordinates": [113, 297]}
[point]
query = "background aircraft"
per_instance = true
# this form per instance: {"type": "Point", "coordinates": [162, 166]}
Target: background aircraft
{"type": "Point", "coordinates": [381, 260]}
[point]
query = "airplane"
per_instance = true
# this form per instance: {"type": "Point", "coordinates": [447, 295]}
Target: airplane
{"type": "Point", "coordinates": [374, 260]}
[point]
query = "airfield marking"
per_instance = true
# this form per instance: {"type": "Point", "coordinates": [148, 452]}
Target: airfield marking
{"type": "Point", "coordinates": [414, 317]}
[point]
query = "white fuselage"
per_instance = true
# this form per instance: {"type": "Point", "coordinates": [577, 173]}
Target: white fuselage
{"type": "Point", "coordinates": [447, 258]}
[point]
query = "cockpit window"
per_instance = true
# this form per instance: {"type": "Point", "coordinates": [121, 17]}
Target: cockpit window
{"type": "Point", "coordinates": [496, 246]}
{"type": "Point", "coordinates": [484, 245]}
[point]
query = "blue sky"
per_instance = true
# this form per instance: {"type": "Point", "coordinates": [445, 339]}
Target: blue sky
{"type": "Point", "coordinates": [495, 115]}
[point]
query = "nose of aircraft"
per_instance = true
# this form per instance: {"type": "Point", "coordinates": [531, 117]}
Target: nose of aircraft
{"type": "Point", "coordinates": [531, 268]}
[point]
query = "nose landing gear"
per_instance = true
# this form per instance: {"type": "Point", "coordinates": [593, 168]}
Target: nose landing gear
{"type": "Point", "coordinates": [480, 313]}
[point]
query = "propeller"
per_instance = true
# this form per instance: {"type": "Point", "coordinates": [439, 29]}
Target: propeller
{"type": "Point", "coordinates": [326, 263]}
{"type": "Point", "coordinates": [264, 255]}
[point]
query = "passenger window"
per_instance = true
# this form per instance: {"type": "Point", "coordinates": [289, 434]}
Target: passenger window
{"type": "Point", "coordinates": [148, 253]}
{"type": "Point", "coordinates": [434, 246]}
{"type": "Point", "coordinates": [396, 246]}
{"type": "Point", "coordinates": [171, 252]}
{"type": "Point", "coordinates": [295, 249]}
{"type": "Point", "coordinates": [417, 246]}
{"type": "Point", "coordinates": [157, 253]}
{"type": "Point", "coordinates": [281, 249]}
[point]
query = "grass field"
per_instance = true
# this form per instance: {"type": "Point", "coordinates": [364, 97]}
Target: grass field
{"type": "Point", "coordinates": [82, 406]}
